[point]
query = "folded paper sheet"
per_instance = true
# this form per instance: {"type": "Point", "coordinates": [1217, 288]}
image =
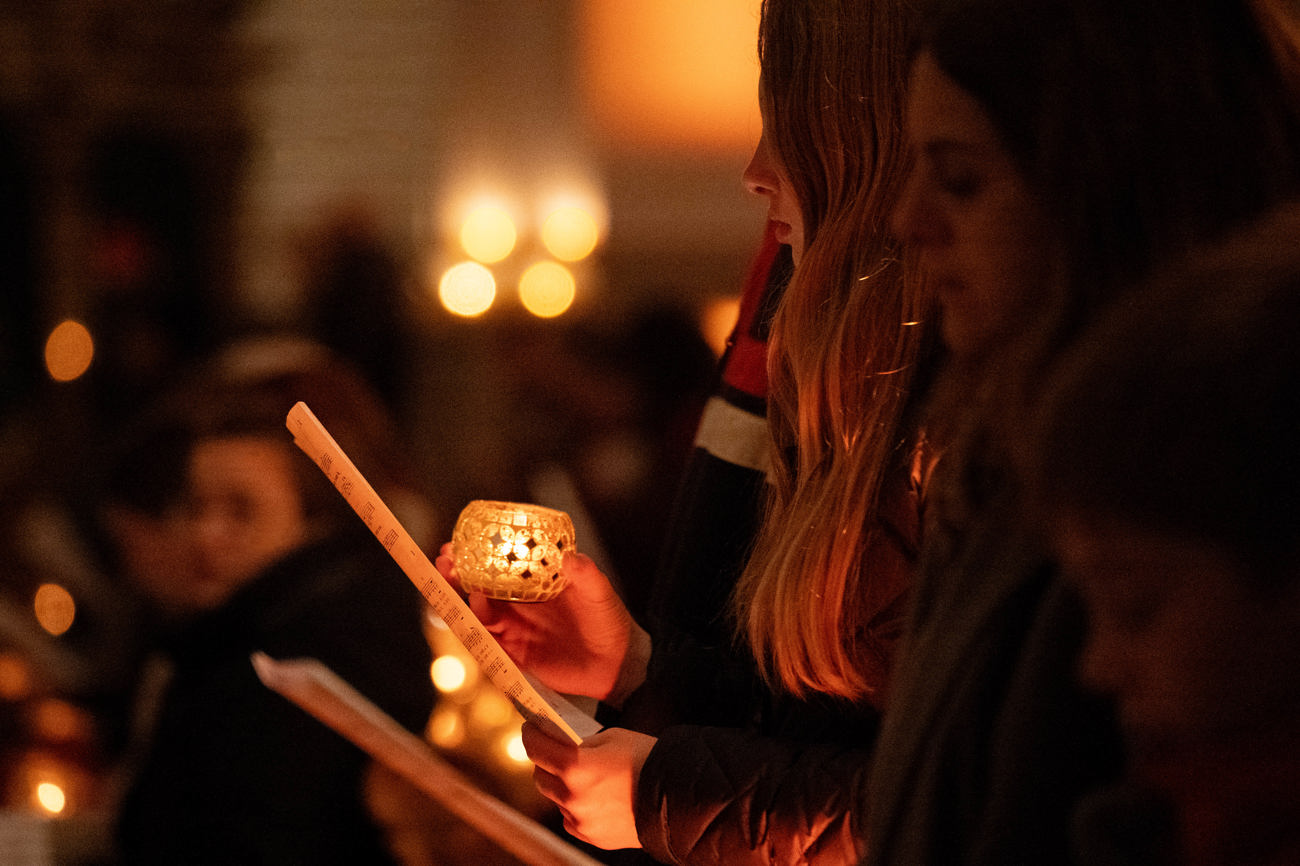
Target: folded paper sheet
{"type": "Point", "coordinates": [321, 692]}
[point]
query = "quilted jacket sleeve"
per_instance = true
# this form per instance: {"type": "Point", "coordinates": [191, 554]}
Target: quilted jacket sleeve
{"type": "Point", "coordinates": [726, 796]}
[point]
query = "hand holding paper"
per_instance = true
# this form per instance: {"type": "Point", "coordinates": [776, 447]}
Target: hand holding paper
{"type": "Point", "coordinates": [592, 784]}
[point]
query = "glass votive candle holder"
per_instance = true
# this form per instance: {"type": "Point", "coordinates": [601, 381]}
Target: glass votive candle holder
{"type": "Point", "coordinates": [511, 550]}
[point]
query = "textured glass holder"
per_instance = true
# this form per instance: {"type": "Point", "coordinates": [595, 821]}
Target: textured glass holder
{"type": "Point", "coordinates": [511, 550]}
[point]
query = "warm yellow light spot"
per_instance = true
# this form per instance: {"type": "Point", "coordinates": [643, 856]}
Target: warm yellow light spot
{"type": "Point", "coordinates": [15, 677]}
{"type": "Point", "coordinates": [513, 746]}
{"type": "Point", "coordinates": [446, 728]}
{"type": "Point", "coordinates": [467, 289]}
{"type": "Point", "coordinates": [491, 709]}
{"type": "Point", "coordinates": [448, 673]}
{"type": "Point", "coordinates": [570, 233]}
{"type": "Point", "coordinates": [51, 797]}
{"type": "Point", "coordinates": [718, 320]}
{"type": "Point", "coordinates": [55, 609]}
{"type": "Point", "coordinates": [68, 351]}
{"type": "Point", "coordinates": [488, 234]}
{"type": "Point", "coordinates": [547, 289]}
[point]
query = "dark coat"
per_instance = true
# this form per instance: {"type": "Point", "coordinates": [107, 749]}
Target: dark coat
{"type": "Point", "coordinates": [238, 774]}
{"type": "Point", "coordinates": [989, 742]}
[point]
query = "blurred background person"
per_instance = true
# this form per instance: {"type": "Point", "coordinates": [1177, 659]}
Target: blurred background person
{"type": "Point", "coordinates": [1164, 464]}
{"type": "Point", "coordinates": [236, 543]}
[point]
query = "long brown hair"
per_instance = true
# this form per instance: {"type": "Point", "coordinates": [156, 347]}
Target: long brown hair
{"type": "Point", "coordinates": [846, 342]}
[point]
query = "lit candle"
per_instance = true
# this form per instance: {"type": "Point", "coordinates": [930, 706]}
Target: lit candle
{"type": "Point", "coordinates": [511, 550]}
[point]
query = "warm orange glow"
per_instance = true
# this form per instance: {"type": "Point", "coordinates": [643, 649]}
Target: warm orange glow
{"type": "Point", "coordinates": [446, 728]}
{"type": "Point", "coordinates": [491, 709]}
{"type": "Point", "coordinates": [51, 797]}
{"type": "Point", "coordinates": [547, 289]}
{"type": "Point", "coordinates": [488, 234]}
{"type": "Point", "coordinates": [682, 73]}
{"type": "Point", "coordinates": [61, 722]}
{"type": "Point", "coordinates": [449, 673]}
{"type": "Point", "coordinates": [467, 289]}
{"type": "Point", "coordinates": [570, 233]}
{"type": "Point", "coordinates": [718, 320]}
{"type": "Point", "coordinates": [55, 610]}
{"type": "Point", "coordinates": [513, 746]}
{"type": "Point", "coordinates": [15, 677]}
{"type": "Point", "coordinates": [68, 351]}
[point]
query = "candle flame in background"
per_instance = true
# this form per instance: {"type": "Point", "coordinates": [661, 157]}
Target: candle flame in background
{"type": "Point", "coordinates": [570, 233]}
{"type": "Point", "coordinates": [513, 746]}
{"type": "Point", "coordinates": [50, 797]}
{"type": "Point", "coordinates": [55, 608]}
{"type": "Point", "coordinates": [446, 728]}
{"type": "Point", "coordinates": [69, 349]}
{"type": "Point", "coordinates": [547, 289]}
{"type": "Point", "coordinates": [717, 320]}
{"type": "Point", "coordinates": [473, 718]}
{"type": "Point", "coordinates": [467, 289]}
{"type": "Point", "coordinates": [568, 229]}
{"type": "Point", "coordinates": [448, 673]}
{"type": "Point", "coordinates": [488, 234]}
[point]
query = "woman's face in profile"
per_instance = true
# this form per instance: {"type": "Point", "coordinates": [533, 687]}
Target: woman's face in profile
{"type": "Point", "coordinates": [244, 512]}
{"type": "Point", "coordinates": [765, 176]}
{"type": "Point", "coordinates": [969, 213]}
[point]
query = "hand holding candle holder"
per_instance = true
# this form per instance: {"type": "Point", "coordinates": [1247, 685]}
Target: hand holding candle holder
{"type": "Point", "coordinates": [510, 550]}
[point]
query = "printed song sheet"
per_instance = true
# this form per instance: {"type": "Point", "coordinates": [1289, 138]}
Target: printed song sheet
{"type": "Point", "coordinates": [534, 700]}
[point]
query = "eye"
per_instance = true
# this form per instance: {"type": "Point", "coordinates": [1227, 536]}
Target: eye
{"type": "Point", "coordinates": [957, 177]}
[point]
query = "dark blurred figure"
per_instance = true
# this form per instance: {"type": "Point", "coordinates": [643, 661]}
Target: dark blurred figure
{"type": "Point", "coordinates": [355, 300]}
{"type": "Point", "coordinates": [238, 543]}
{"type": "Point", "coordinates": [1166, 464]}
{"type": "Point", "coordinates": [151, 311]}
{"type": "Point", "coordinates": [20, 351]}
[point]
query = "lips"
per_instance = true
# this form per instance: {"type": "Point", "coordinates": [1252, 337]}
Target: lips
{"type": "Point", "coordinates": [782, 231]}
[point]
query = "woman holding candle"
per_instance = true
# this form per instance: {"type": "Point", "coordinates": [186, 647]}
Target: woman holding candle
{"type": "Point", "coordinates": [821, 602]}
{"type": "Point", "coordinates": [1064, 149]}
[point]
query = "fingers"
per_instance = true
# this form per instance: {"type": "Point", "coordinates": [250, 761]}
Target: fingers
{"type": "Point", "coordinates": [550, 786]}
{"type": "Point", "coordinates": [581, 569]}
{"type": "Point", "coordinates": [547, 754]}
{"type": "Point", "coordinates": [446, 565]}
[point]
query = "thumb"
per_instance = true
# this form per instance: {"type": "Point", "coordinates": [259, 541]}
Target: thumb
{"type": "Point", "coordinates": [581, 571]}
{"type": "Point", "coordinates": [543, 750]}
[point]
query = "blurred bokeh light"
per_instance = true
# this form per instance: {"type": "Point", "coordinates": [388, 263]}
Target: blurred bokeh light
{"type": "Point", "coordinates": [68, 351]}
{"type": "Point", "coordinates": [467, 289]}
{"type": "Point", "coordinates": [570, 233]}
{"type": "Point", "coordinates": [547, 289]}
{"type": "Point", "coordinates": [488, 234]}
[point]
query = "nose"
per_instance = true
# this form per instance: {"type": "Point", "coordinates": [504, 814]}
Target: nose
{"type": "Point", "coordinates": [760, 175]}
{"type": "Point", "coordinates": [913, 220]}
